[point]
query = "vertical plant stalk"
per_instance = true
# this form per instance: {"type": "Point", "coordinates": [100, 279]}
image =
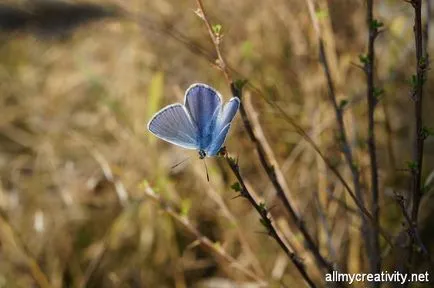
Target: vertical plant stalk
{"type": "Point", "coordinates": [372, 101]}
{"type": "Point", "coordinates": [264, 157]}
{"type": "Point", "coordinates": [266, 221]}
{"type": "Point", "coordinates": [346, 147]}
{"type": "Point", "coordinates": [251, 126]}
{"type": "Point", "coordinates": [221, 64]}
{"type": "Point", "coordinates": [420, 133]}
{"type": "Point", "coordinates": [425, 40]}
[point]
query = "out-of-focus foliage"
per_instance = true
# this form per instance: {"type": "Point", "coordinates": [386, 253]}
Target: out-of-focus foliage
{"type": "Point", "coordinates": [74, 147]}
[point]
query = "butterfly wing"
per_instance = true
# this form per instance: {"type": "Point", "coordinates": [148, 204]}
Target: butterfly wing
{"type": "Point", "coordinates": [203, 104]}
{"type": "Point", "coordinates": [217, 141]}
{"type": "Point", "coordinates": [174, 125]}
{"type": "Point", "coordinates": [222, 126]}
{"type": "Point", "coordinates": [227, 114]}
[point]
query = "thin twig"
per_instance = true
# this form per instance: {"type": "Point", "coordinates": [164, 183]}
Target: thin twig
{"type": "Point", "coordinates": [346, 147]}
{"type": "Point", "coordinates": [266, 221]}
{"type": "Point", "coordinates": [420, 133]}
{"type": "Point", "coordinates": [426, 28]}
{"type": "Point", "coordinates": [411, 228]}
{"type": "Point", "coordinates": [251, 125]}
{"type": "Point", "coordinates": [215, 40]}
{"type": "Point", "coordinates": [371, 96]}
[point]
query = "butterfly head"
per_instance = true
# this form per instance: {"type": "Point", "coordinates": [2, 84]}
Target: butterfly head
{"type": "Point", "coordinates": [202, 154]}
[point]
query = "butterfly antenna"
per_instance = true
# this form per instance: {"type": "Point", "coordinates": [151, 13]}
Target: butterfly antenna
{"type": "Point", "coordinates": [206, 169]}
{"type": "Point", "coordinates": [179, 163]}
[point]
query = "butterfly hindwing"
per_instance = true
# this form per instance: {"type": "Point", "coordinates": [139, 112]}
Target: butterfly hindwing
{"type": "Point", "coordinates": [217, 141]}
{"type": "Point", "coordinates": [174, 124]}
{"type": "Point", "coordinates": [227, 114]}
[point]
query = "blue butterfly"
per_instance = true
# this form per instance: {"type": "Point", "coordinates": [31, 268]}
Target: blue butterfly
{"type": "Point", "coordinates": [202, 123]}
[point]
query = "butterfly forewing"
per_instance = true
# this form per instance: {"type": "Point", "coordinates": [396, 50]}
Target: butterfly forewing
{"type": "Point", "coordinates": [173, 124]}
{"type": "Point", "coordinates": [203, 104]}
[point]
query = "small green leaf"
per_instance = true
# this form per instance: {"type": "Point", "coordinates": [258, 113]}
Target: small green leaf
{"type": "Point", "coordinates": [375, 24]}
{"type": "Point", "coordinates": [423, 62]}
{"type": "Point", "coordinates": [217, 245]}
{"type": "Point", "coordinates": [143, 184]}
{"type": "Point", "coordinates": [185, 207]}
{"type": "Point", "coordinates": [263, 208]}
{"type": "Point", "coordinates": [263, 222]}
{"type": "Point", "coordinates": [378, 93]}
{"type": "Point", "coordinates": [236, 187]}
{"type": "Point", "coordinates": [343, 104]}
{"type": "Point", "coordinates": [412, 165]}
{"type": "Point", "coordinates": [217, 28]}
{"type": "Point", "coordinates": [321, 14]}
{"type": "Point", "coordinates": [240, 83]}
{"type": "Point", "coordinates": [426, 132]}
{"type": "Point", "coordinates": [413, 81]}
{"type": "Point", "coordinates": [364, 59]}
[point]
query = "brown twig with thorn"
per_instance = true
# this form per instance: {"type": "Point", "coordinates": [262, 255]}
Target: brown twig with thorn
{"type": "Point", "coordinates": [418, 81]}
{"type": "Point", "coordinates": [372, 99]}
{"type": "Point", "coordinates": [266, 221]}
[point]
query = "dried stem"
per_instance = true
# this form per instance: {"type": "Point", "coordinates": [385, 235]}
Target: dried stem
{"type": "Point", "coordinates": [266, 221]}
{"type": "Point", "coordinates": [371, 96]}
{"type": "Point", "coordinates": [271, 172]}
{"type": "Point", "coordinates": [426, 28]}
{"type": "Point", "coordinates": [386, 236]}
{"type": "Point", "coordinates": [346, 147]}
{"type": "Point", "coordinates": [420, 133]}
{"type": "Point", "coordinates": [215, 40]}
{"type": "Point", "coordinates": [411, 228]}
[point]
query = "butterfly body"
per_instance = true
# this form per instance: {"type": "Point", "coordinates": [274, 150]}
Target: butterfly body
{"type": "Point", "coordinates": [202, 123]}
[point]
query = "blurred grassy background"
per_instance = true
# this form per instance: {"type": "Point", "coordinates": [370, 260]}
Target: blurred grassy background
{"type": "Point", "coordinates": [75, 155]}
